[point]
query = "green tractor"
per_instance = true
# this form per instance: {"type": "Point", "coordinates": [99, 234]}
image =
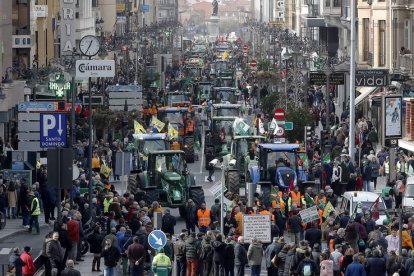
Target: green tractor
{"type": "Point", "coordinates": [239, 161]}
{"type": "Point", "coordinates": [168, 181]}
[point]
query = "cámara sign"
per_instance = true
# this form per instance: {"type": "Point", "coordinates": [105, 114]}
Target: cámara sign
{"type": "Point", "coordinates": [95, 69]}
{"type": "Point", "coordinates": [371, 78]}
{"type": "Point", "coordinates": [67, 27]}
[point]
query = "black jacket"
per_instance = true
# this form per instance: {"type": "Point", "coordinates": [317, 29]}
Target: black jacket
{"type": "Point", "coordinates": [70, 272]}
{"type": "Point", "coordinates": [313, 235]}
{"type": "Point", "coordinates": [227, 223]}
{"type": "Point", "coordinates": [240, 255]}
{"type": "Point", "coordinates": [168, 223]}
{"type": "Point", "coordinates": [95, 242]}
{"type": "Point", "coordinates": [219, 251]}
{"type": "Point", "coordinates": [229, 256]}
{"type": "Point", "coordinates": [375, 266]}
{"type": "Point", "coordinates": [111, 256]}
{"type": "Point", "coordinates": [134, 224]}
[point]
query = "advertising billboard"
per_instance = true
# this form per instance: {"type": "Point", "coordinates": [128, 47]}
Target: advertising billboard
{"type": "Point", "coordinates": [392, 110]}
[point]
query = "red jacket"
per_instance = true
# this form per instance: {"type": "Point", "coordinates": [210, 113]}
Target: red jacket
{"type": "Point", "coordinates": [29, 268]}
{"type": "Point", "coordinates": [73, 230]}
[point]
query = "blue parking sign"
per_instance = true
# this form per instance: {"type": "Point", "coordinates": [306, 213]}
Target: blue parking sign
{"type": "Point", "coordinates": [53, 130]}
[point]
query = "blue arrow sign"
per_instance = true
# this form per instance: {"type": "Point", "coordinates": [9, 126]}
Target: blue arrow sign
{"type": "Point", "coordinates": [53, 130]}
{"type": "Point", "coordinates": [157, 239]}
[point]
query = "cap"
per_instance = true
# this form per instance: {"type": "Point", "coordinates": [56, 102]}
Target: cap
{"type": "Point", "coordinates": [405, 226]}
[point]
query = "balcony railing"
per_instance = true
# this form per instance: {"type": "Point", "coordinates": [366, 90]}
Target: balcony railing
{"type": "Point", "coordinates": [406, 64]}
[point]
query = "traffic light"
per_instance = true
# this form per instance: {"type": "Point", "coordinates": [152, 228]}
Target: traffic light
{"type": "Point", "coordinates": [308, 135]}
{"type": "Point", "coordinates": [326, 140]}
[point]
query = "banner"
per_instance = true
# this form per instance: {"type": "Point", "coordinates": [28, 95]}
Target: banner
{"type": "Point", "coordinates": [139, 129]}
{"type": "Point", "coordinates": [328, 209]}
{"type": "Point", "coordinates": [309, 214]}
{"type": "Point", "coordinates": [240, 127]}
{"type": "Point", "coordinates": [172, 132]}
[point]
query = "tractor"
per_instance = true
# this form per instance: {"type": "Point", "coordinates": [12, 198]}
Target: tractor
{"type": "Point", "coordinates": [225, 95]}
{"type": "Point", "coordinates": [240, 159]}
{"type": "Point", "coordinates": [266, 173]}
{"type": "Point", "coordinates": [202, 91]}
{"type": "Point", "coordinates": [143, 144]}
{"type": "Point", "coordinates": [178, 98]}
{"type": "Point", "coordinates": [182, 119]}
{"type": "Point", "coordinates": [219, 136]}
{"type": "Point", "coordinates": [168, 181]}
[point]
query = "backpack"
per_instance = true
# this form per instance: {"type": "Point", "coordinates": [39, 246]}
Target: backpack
{"type": "Point", "coordinates": [307, 269]}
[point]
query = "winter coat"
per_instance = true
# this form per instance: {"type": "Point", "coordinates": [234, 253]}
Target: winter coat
{"type": "Point", "coordinates": [269, 253]}
{"type": "Point", "coordinates": [12, 198]}
{"type": "Point", "coordinates": [375, 266]}
{"type": "Point", "coordinates": [228, 260]}
{"type": "Point", "coordinates": [406, 240]}
{"type": "Point", "coordinates": [219, 249]}
{"type": "Point", "coordinates": [313, 235]}
{"type": "Point", "coordinates": [192, 248]}
{"type": "Point", "coordinates": [17, 262]}
{"type": "Point", "coordinates": [168, 223]}
{"type": "Point", "coordinates": [73, 230]}
{"type": "Point", "coordinates": [255, 254]}
{"type": "Point", "coordinates": [64, 238]}
{"type": "Point", "coordinates": [4, 202]}
{"type": "Point", "coordinates": [240, 255]}
{"type": "Point", "coordinates": [111, 256]}
{"type": "Point", "coordinates": [125, 241]}
{"type": "Point", "coordinates": [95, 243]}
{"type": "Point", "coordinates": [54, 251]}
{"type": "Point", "coordinates": [207, 251]}
{"type": "Point", "coordinates": [306, 262]}
{"type": "Point", "coordinates": [29, 267]}
{"type": "Point", "coordinates": [355, 269]}
{"type": "Point", "coordinates": [290, 259]}
{"type": "Point", "coordinates": [70, 272]}
{"type": "Point", "coordinates": [281, 264]}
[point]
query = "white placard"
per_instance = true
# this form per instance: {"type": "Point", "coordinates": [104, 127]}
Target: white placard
{"type": "Point", "coordinates": [309, 214]}
{"type": "Point", "coordinates": [257, 226]}
{"type": "Point", "coordinates": [95, 69]}
{"type": "Point", "coordinates": [215, 190]}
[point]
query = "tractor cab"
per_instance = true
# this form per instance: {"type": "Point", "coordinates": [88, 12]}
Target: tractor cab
{"type": "Point", "coordinates": [226, 110]}
{"type": "Point", "coordinates": [202, 91]}
{"type": "Point", "coordinates": [218, 138]}
{"type": "Point", "coordinates": [178, 98]}
{"type": "Point", "coordinates": [225, 95]}
{"type": "Point", "coordinates": [143, 145]}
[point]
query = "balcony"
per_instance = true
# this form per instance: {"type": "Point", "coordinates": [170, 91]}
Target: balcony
{"type": "Point", "coordinates": [405, 64]}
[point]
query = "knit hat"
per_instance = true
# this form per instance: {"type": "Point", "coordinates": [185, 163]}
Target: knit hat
{"type": "Point", "coordinates": [27, 248]}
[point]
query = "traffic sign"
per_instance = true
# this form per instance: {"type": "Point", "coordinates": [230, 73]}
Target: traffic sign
{"type": "Point", "coordinates": [245, 54]}
{"type": "Point", "coordinates": [279, 140]}
{"type": "Point", "coordinates": [245, 47]}
{"type": "Point", "coordinates": [288, 126]}
{"type": "Point", "coordinates": [279, 114]}
{"type": "Point", "coordinates": [280, 132]}
{"type": "Point", "coordinates": [253, 72]}
{"type": "Point", "coordinates": [157, 239]}
{"type": "Point", "coordinates": [52, 130]}
{"type": "Point", "coordinates": [253, 63]}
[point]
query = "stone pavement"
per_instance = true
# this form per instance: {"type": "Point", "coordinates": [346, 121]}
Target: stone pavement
{"type": "Point", "coordinates": [14, 226]}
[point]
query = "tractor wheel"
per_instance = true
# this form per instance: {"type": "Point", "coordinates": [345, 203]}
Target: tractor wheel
{"type": "Point", "coordinates": [266, 195]}
{"type": "Point", "coordinates": [151, 196]}
{"type": "Point", "coordinates": [132, 183]}
{"type": "Point", "coordinates": [182, 212]}
{"type": "Point", "coordinates": [197, 195]}
{"type": "Point", "coordinates": [189, 141]}
{"type": "Point", "coordinates": [233, 182]}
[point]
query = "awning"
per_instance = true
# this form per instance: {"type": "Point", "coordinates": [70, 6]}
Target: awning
{"type": "Point", "coordinates": [408, 145]}
{"type": "Point", "coordinates": [364, 91]}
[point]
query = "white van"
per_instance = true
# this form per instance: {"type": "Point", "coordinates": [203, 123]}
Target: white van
{"type": "Point", "coordinates": [408, 197]}
{"type": "Point", "coordinates": [367, 199]}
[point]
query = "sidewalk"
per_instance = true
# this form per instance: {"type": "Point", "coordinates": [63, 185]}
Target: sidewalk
{"type": "Point", "coordinates": [14, 226]}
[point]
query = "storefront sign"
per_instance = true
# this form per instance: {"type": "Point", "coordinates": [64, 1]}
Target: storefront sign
{"type": "Point", "coordinates": [392, 116]}
{"type": "Point", "coordinates": [67, 29]}
{"type": "Point", "coordinates": [320, 79]}
{"type": "Point", "coordinates": [95, 69]}
{"type": "Point", "coordinates": [59, 86]}
{"type": "Point", "coordinates": [40, 11]}
{"type": "Point", "coordinates": [373, 78]}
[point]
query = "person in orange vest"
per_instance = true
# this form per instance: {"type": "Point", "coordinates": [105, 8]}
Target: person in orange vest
{"type": "Point", "coordinates": [239, 219]}
{"type": "Point", "coordinates": [264, 211]}
{"type": "Point", "coordinates": [320, 198]}
{"type": "Point", "coordinates": [278, 196]}
{"type": "Point", "coordinates": [296, 198]}
{"type": "Point", "coordinates": [204, 218]}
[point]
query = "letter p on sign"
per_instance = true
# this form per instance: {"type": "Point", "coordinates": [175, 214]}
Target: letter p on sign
{"type": "Point", "coordinates": [49, 124]}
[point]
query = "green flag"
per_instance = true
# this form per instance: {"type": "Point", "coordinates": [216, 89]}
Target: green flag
{"type": "Point", "coordinates": [305, 160]}
{"type": "Point", "coordinates": [327, 158]}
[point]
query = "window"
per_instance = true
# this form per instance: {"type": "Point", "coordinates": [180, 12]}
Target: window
{"type": "Point", "coordinates": [327, 3]}
{"type": "Point", "coordinates": [382, 43]}
{"type": "Point", "coordinates": [407, 34]}
{"type": "Point", "coordinates": [365, 26]}
{"type": "Point", "coordinates": [337, 3]}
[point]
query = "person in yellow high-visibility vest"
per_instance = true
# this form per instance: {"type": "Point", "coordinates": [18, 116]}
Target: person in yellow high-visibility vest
{"type": "Point", "coordinates": [161, 264]}
{"type": "Point", "coordinates": [296, 198]}
{"type": "Point", "coordinates": [34, 213]}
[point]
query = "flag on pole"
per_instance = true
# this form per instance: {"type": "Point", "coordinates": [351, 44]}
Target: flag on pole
{"type": "Point", "coordinates": [157, 124]}
{"type": "Point", "coordinates": [274, 123]}
{"type": "Point", "coordinates": [111, 35]}
{"type": "Point", "coordinates": [374, 210]}
{"type": "Point", "coordinates": [172, 132]}
{"type": "Point", "coordinates": [327, 158]}
{"type": "Point", "coordinates": [139, 129]}
{"type": "Point", "coordinates": [225, 56]}
{"type": "Point", "coordinates": [354, 213]}
{"type": "Point", "coordinates": [240, 127]}
{"type": "Point", "coordinates": [328, 209]}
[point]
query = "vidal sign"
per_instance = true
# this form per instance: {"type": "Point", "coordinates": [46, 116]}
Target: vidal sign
{"type": "Point", "coordinates": [371, 78]}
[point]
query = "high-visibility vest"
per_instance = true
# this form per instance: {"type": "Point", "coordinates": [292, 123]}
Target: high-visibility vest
{"type": "Point", "coordinates": [323, 199]}
{"type": "Point", "coordinates": [295, 198]}
{"type": "Point", "coordinates": [106, 204]}
{"type": "Point", "coordinates": [204, 218]}
{"type": "Point", "coordinates": [161, 260]}
{"type": "Point", "coordinates": [266, 212]}
{"type": "Point", "coordinates": [387, 167]}
{"type": "Point", "coordinates": [36, 212]}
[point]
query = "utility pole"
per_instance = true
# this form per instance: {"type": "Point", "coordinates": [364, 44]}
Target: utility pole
{"type": "Point", "coordinates": [352, 86]}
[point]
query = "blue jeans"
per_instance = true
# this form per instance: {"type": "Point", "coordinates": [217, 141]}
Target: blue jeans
{"type": "Point", "coordinates": [11, 212]}
{"type": "Point", "coordinates": [110, 271]}
{"type": "Point", "coordinates": [255, 270]}
{"type": "Point", "coordinates": [366, 186]}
